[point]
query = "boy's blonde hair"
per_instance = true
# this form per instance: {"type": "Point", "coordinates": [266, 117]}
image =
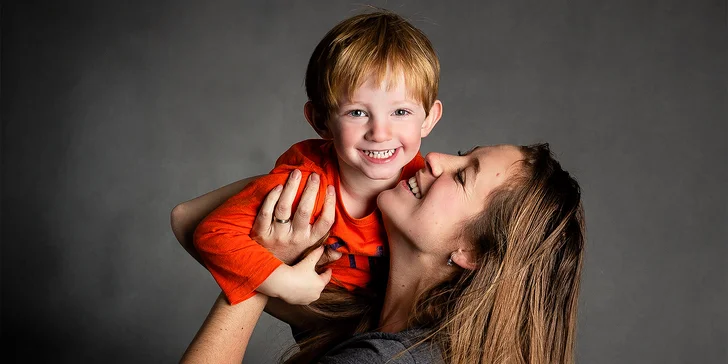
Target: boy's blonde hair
{"type": "Point", "coordinates": [380, 43]}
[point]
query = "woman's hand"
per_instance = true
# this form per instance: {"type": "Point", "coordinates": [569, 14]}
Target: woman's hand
{"type": "Point", "coordinates": [299, 284]}
{"type": "Point", "coordinates": [289, 238]}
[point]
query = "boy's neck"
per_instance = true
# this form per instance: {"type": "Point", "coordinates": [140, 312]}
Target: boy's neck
{"type": "Point", "coordinates": [358, 192]}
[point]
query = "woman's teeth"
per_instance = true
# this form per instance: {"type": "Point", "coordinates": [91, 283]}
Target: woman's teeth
{"type": "Point", "coordinates": [414, 187]}
{"type": "Point", "coordinates": [379, 154]}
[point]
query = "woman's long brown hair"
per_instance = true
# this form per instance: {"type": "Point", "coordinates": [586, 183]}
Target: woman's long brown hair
{"type": "Point", "coordinates": [519, 305]}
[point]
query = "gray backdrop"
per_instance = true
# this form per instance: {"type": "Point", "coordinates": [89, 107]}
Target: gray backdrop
{"type": "Point", "coordinates": [114, 111]}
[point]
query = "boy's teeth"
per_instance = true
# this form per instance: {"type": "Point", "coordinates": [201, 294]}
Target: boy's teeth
{"type": "Point", "coordinates": [379, 154]}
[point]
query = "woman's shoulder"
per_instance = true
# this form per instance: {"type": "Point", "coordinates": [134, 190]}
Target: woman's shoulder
{"type": "Point", "coordinates": [380, 347]}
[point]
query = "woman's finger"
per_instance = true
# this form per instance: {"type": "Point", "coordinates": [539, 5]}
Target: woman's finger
{"type": "Point", "coordinates": [325, 276]}
{"type": "Point", "coordinates": [324, 222]}
{"type": "Point", "coordinates": [312, 257]}
{"type": "Point", "coordinates": [282, 214]}
{"type": "Point", "coordinates": [302, 217]}
{"type": "Point", "coordinates": [265, 214]}
{"type": "Point", "coordinates": [329, 256]}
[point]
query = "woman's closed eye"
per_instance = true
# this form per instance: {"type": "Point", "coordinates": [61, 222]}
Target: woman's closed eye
{"type": "Point", "coordinates": [460, 176]}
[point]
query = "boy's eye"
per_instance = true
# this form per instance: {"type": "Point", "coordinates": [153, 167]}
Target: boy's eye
{"type": "Point", "coordinates": [356, 113]}
{"type": "Point", "coordinates": [401, 112]}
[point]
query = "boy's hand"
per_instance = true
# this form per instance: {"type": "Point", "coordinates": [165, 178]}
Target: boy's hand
{"type": "Point", "coordinates": [290, 239]}
{"type": "Point", "coordinates": [299, 284]}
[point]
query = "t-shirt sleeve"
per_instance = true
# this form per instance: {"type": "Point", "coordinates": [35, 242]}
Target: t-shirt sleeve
{"type": "Point", "coordinates": [370, 351]}
{"type": "Point", "coordinates": [237, 262]}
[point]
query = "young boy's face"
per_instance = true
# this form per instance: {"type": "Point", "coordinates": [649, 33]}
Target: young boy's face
{"type": "Point", "coordinates": [379, 130]}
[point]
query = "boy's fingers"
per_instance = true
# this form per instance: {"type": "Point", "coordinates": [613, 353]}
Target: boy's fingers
{"type": "Point", "coordinates": [265, 215]}
{"type": "Point", "coordinates": [326, 219]}
{"type": "Point", "coordinates": [302, 217]}
{"type": "Point", "coordinates": [283, 207]}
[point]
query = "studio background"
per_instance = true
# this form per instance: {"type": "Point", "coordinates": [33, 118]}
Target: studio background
{"type": "Point", "coordinates": [115, 111]}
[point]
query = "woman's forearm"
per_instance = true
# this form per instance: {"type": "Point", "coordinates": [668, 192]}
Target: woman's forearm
{"type": "Point", "coordinates": [186, 216]}
{"type": "Point", "coordinates": [224, 336]}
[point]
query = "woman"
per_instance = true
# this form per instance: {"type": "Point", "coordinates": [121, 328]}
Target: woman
{"type": "Point", "coordinates": [484, 268]}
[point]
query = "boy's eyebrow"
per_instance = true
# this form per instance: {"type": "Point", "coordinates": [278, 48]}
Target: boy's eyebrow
{"type": "Point", "coordinates": [406, 102]}
{"type": "Point", "coordinates": [395, 102]}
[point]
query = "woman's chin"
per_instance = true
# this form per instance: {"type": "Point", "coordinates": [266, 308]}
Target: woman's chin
{"type": "Point", "coordinates": [387, 201]}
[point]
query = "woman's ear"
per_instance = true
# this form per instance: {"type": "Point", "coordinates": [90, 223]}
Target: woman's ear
{"type": "Point", "coordinates": [317, 121]}
{"type": "Point", "coordinates": [464, 259]}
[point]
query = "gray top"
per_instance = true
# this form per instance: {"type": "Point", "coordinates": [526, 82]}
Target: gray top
{"type": "Point", "coordinates": [380, 347]}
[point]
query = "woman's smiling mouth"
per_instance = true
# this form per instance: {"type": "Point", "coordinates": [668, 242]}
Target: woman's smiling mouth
{"type": "Point", "coordinates": [414, 188]}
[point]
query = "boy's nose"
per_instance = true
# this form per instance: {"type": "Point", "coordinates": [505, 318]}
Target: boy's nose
{"type": "Point", "coordinates": [380, 130]}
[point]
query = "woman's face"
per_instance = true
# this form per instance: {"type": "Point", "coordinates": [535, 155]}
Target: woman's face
{"type": "Point", "coordinates": [431, 208]}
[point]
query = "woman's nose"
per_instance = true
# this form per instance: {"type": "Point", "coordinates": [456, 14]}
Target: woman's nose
{"type": "Point", "coordinates": [434, 163]}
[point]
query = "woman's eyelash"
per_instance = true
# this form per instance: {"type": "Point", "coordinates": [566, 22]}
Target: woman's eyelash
{"type": "Point", "coordinates": [460, 176]}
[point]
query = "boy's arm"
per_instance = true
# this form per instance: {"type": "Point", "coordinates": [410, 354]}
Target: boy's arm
{"type": "Point", "coordinates": [187, 215]}
{"type": "Point", "coordinates": [237, 262]}
{"type": "Point", "coordinates": [223, 239]}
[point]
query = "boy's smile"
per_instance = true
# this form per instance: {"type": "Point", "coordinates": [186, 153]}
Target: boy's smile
{"type": "Point", "coordinates": [379, 129]}
{"type": "Point", "coordinates": [380, 156]}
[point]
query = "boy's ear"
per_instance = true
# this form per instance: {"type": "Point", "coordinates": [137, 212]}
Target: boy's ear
{"type": "Point", "coordinates": [318, 122]}
{"type": "Point", "coordinates": [432, 118]}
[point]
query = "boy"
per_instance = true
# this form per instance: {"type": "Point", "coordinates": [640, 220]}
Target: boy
{"type": "Point", "coordinates": [372, 86]}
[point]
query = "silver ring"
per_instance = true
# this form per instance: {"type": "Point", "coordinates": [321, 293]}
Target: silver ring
{"type": "Point", "coordinates": [286, 221]}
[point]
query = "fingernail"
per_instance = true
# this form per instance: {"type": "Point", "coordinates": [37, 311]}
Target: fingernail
{"type": "Point", "coordinates": [314, 177]}
{"type": "Point", "coordinates": [296, 174]}
{"type": "Point", "coordinates": [330, 190]}
{"type": "Point", "coordinates": [278, 188]}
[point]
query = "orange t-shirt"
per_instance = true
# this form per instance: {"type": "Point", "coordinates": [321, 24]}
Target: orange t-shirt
{"type": "Point", "coordinates": [239, 264]}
